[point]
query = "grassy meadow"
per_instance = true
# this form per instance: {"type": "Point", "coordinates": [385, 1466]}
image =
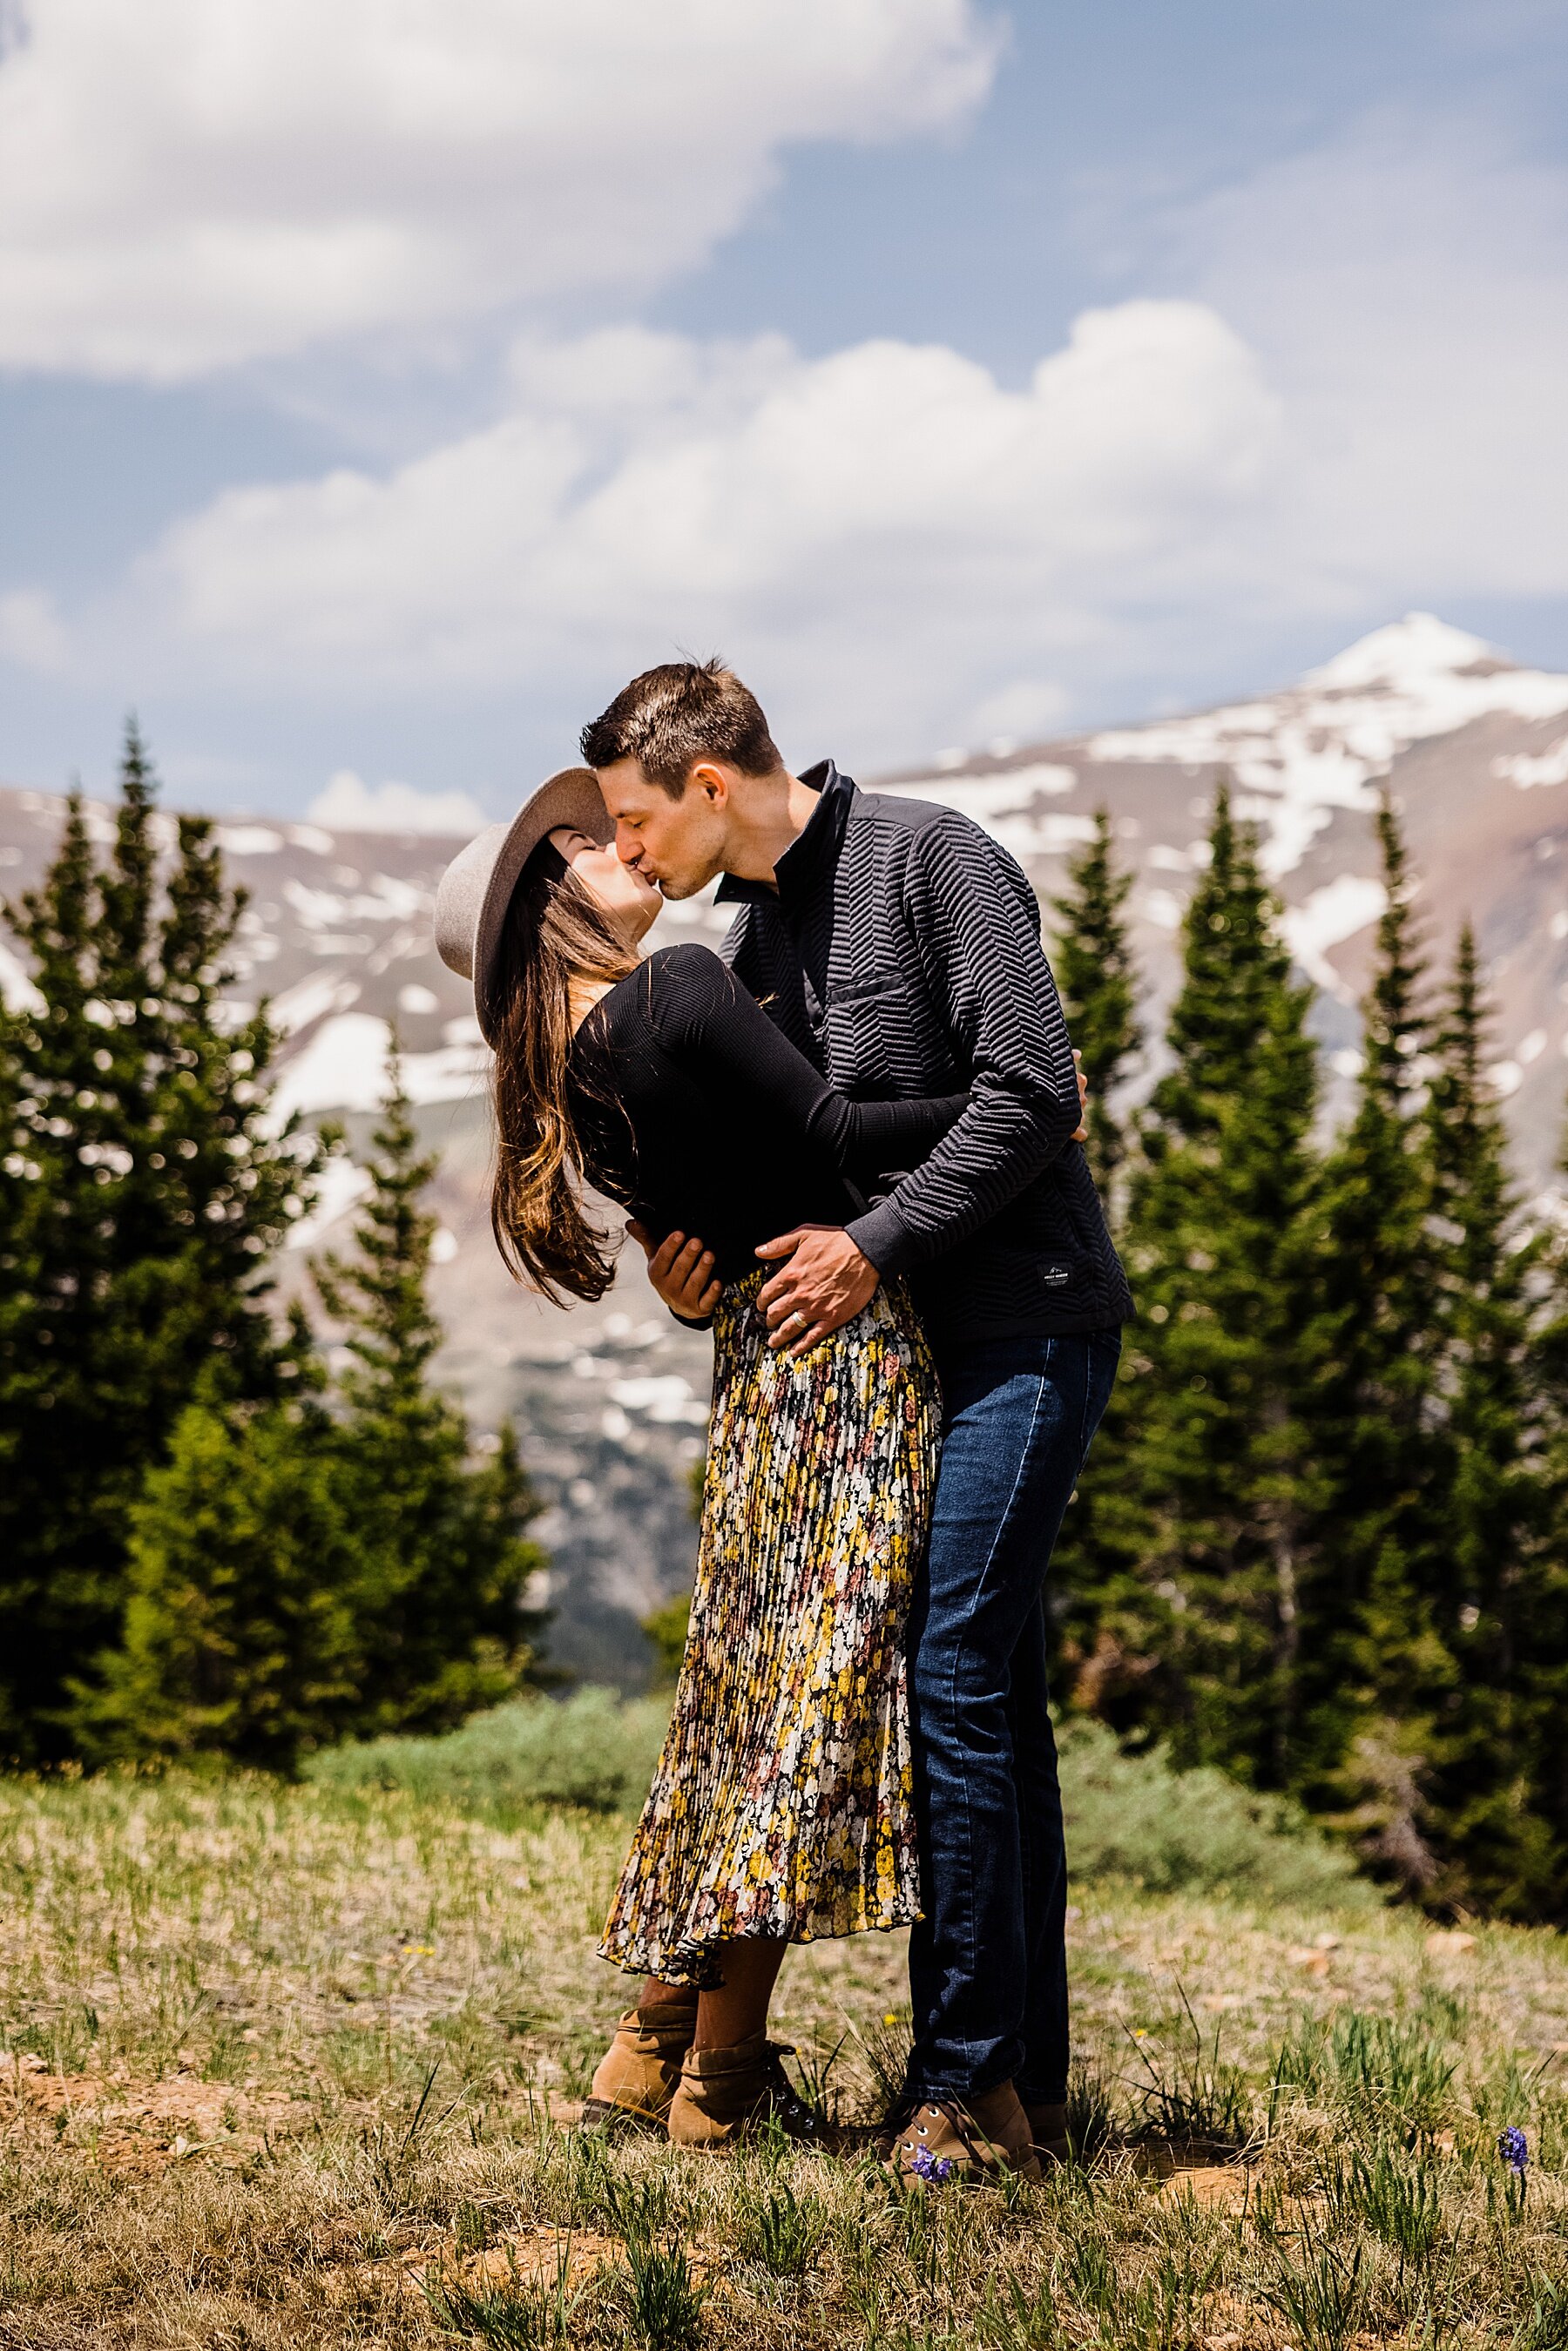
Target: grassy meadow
{"type": "Point", "coordinates": [289, 2067]}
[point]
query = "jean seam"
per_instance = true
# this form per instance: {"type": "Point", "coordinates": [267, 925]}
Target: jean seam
{"type": "Point", "coordinates": [1025, 1453]}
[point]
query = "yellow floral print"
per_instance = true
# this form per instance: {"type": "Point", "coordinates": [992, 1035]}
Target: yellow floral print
{"type": "Point", "coordinates": [783, 1802]}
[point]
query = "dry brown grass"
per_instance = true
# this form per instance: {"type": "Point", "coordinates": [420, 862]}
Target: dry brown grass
{"type": "Point", "coordinates": [292, 2068]}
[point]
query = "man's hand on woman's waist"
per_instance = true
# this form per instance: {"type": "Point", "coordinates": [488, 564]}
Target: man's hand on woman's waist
{"type": "Point", "coordinates": [823, 1284]}
{"type": "Point", "coordinates": [825, 1279]}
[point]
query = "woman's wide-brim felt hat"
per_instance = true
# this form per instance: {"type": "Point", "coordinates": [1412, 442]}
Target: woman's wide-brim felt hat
{"type": "Point", "coordinates": [474, 891]}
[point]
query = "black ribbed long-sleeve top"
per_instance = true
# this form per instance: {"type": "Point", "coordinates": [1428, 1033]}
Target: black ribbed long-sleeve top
{"type": "Point", "coordinates": [700, 1116]}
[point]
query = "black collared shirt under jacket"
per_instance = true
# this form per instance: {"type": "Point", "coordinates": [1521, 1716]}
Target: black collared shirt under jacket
{"type": "Point", "coordinates": [901, 953]}
{"type": "Point", "coordinates": [699, 1116]}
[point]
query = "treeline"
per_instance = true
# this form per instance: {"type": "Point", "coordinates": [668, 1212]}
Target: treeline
{"type": "Point", "coordinates": [208, 1541]}
{"type": "Point", "coordinates": [1322, 1541]}
{"type": "Point", "coordinates": [1322, 1538]}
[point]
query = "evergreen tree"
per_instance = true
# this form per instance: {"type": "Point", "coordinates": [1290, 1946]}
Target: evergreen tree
{"type": "Point", "coordinates": [1383, 1674]}
{"type": "Point", "coordinates": [239, 1635]}
{"type": "Point", "coordinates": [444, 1560]}
{"type": "Point", "coordinates": [1490, 1600]}
{"type": "Point", "coordinates": [1212, 1490]}
{"type": "Point", "coordinates": [1094, 967]}
{"type": "Point", "coordinates": [1541, 1635]}
{"type": "Point", "coordinates": [17, 1272]}
{"type": "Point", "coordinates": [51, 1579]}
{"type": "Point", "coordinates": [147, 1195]}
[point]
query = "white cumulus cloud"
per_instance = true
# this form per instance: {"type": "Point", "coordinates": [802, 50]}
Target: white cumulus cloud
{"type": "Point", "coordinates": [32, 633]}
{"type": "Point", "coordinates": [1406, 285]}
{"type": "Point", "coordinates": [189, 183]}
{"type": "Point", "coordinates": [347, 804]}
{"type": "Point", "coordinates": [890, 510]}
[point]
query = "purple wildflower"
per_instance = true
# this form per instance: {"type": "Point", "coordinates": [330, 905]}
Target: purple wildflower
{"type": "Point", "coordinates": [1514, 2148]}
{"type": "Point", "coordinates": [933, 2167]}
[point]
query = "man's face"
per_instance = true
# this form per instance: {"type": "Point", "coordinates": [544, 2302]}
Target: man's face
{"type": "Point", "coordinates": [678, 844]}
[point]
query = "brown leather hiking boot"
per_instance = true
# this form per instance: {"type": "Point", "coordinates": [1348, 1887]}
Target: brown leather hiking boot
{"type": "Point", "coordinates": [1048, 2128]}
{"type": "Point", "coordinates": [725, 2093]}
{"type": "Point", "coordinates": [635, 2079]}
{"type": "Point", "coordinates": [968, 2141]}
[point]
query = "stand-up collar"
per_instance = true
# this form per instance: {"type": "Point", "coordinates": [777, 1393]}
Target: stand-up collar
{"type": "Point", "coordinates": [811, 852]}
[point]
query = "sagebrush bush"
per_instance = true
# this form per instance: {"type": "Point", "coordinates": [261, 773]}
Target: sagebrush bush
{"type": "Point", "coordinates": [1133, 1817]}
{"type": "Point", "coordinates": [591, 1748]}
{"type": "Point", "coordinates": [1128, 1816]}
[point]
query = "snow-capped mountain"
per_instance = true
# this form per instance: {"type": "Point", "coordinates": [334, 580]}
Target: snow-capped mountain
{"type": "Point", "coordinates": [1475, 752]}
{"type": "Point", "coordinates": [610, 1399]}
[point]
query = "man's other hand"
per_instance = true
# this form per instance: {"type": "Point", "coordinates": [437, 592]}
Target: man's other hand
{"type": "Point", "coordinates": [1080, 1133]}
{"type": "Point", "coordinates": [681, 1272]}
{"type": "Point", "coordinates": [822, 1284]}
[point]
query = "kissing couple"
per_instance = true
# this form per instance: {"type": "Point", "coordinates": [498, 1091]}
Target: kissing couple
{"type": "Point", "coordinates": [852, 1143]}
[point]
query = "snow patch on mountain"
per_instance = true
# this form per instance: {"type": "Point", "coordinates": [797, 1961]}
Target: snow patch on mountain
{"type": "Point", "coordinates": [1549, 767]}
{"type": "Point", "coordinates": [341, 1186]}
{"type": "Point", "coordinates": [248, 840]}
{"type": "Point", "coordinates": [1003, 806]}
{"type": "Point", "coordinates": [310, 999]}
{"type": "Point", "coordinates": [346, 1066]}
{"type": "Point", "coordinates": [1323, 743]}
{"type": "Point", "coordinates": [16, 991]}
{"type": "Point", "coordinates": [1330, 915]}
{"type": "Point", "coordinates": [1406, 655]}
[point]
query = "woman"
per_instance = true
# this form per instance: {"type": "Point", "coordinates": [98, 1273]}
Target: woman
{"type": "Point", "coordinates": [780, 1808]}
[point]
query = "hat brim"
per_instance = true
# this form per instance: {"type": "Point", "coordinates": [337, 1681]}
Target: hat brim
{"type": "Point", "coordinates": [474, 891]}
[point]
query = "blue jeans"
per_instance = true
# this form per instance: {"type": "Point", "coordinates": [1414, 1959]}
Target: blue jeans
{"type": "Point", "coordinates": [987, 1961]}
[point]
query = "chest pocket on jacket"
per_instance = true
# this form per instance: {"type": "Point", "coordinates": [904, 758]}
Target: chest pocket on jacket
{"type": "Point", "coordinates": [867, 1025]}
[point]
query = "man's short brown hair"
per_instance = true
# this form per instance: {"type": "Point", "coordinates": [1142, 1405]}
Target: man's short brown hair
{"type": "Point", "coordinates": [682, 712]}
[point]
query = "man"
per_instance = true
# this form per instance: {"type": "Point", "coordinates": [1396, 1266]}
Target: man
{"type": "Point", "coordinates": [898, 946]}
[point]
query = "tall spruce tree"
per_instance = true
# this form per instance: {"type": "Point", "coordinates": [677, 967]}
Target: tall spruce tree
{"type": "Point", "coordinates": [1217, 1479]}
{"type": "Point", "coordinates": [1491, 1599]}
{"type": "Point", "coordinates": [148, 1196]}
{"type": "Point", "coordinates": [445, 1562]}
{"type": "Point", "coordinates": [1541, 1636]}
{"type": "Point", "coordinates": [1092, 961]}
{"type": "Point", "coordinates": [1383, 1671]}
{"type": "Point", "coordinates": [239, 1635]}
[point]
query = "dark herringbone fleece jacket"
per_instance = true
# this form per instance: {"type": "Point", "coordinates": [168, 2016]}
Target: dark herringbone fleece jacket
{"type": "Point", "coordinates": [901, 953]}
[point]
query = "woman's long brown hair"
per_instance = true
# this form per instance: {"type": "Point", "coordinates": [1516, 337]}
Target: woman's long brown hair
{"type": "Point", "coordinates": [554, 933]}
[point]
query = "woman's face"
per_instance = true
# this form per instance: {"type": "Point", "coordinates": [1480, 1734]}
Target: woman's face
{"type": "Point", "coordinates": [621, 892]}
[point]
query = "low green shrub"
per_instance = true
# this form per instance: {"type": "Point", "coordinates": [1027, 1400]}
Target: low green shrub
{"type": "Point", "coordinates": [1128, 1816]}
{"type": "Point", "coordinates": [1133, 1817]}
{"type": "Point", "coordinates": [591, 1748]}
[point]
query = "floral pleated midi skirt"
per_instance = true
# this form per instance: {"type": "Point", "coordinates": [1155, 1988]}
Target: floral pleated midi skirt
{"type": "Point", "coordinates": [782, 1802]}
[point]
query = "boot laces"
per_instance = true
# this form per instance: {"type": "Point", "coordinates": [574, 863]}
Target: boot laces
{"type": "Point", "coordinates": [959, 2122]}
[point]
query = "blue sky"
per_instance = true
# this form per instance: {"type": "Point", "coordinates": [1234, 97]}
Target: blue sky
{"type": "Point", "coordinates": [377, 390]}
